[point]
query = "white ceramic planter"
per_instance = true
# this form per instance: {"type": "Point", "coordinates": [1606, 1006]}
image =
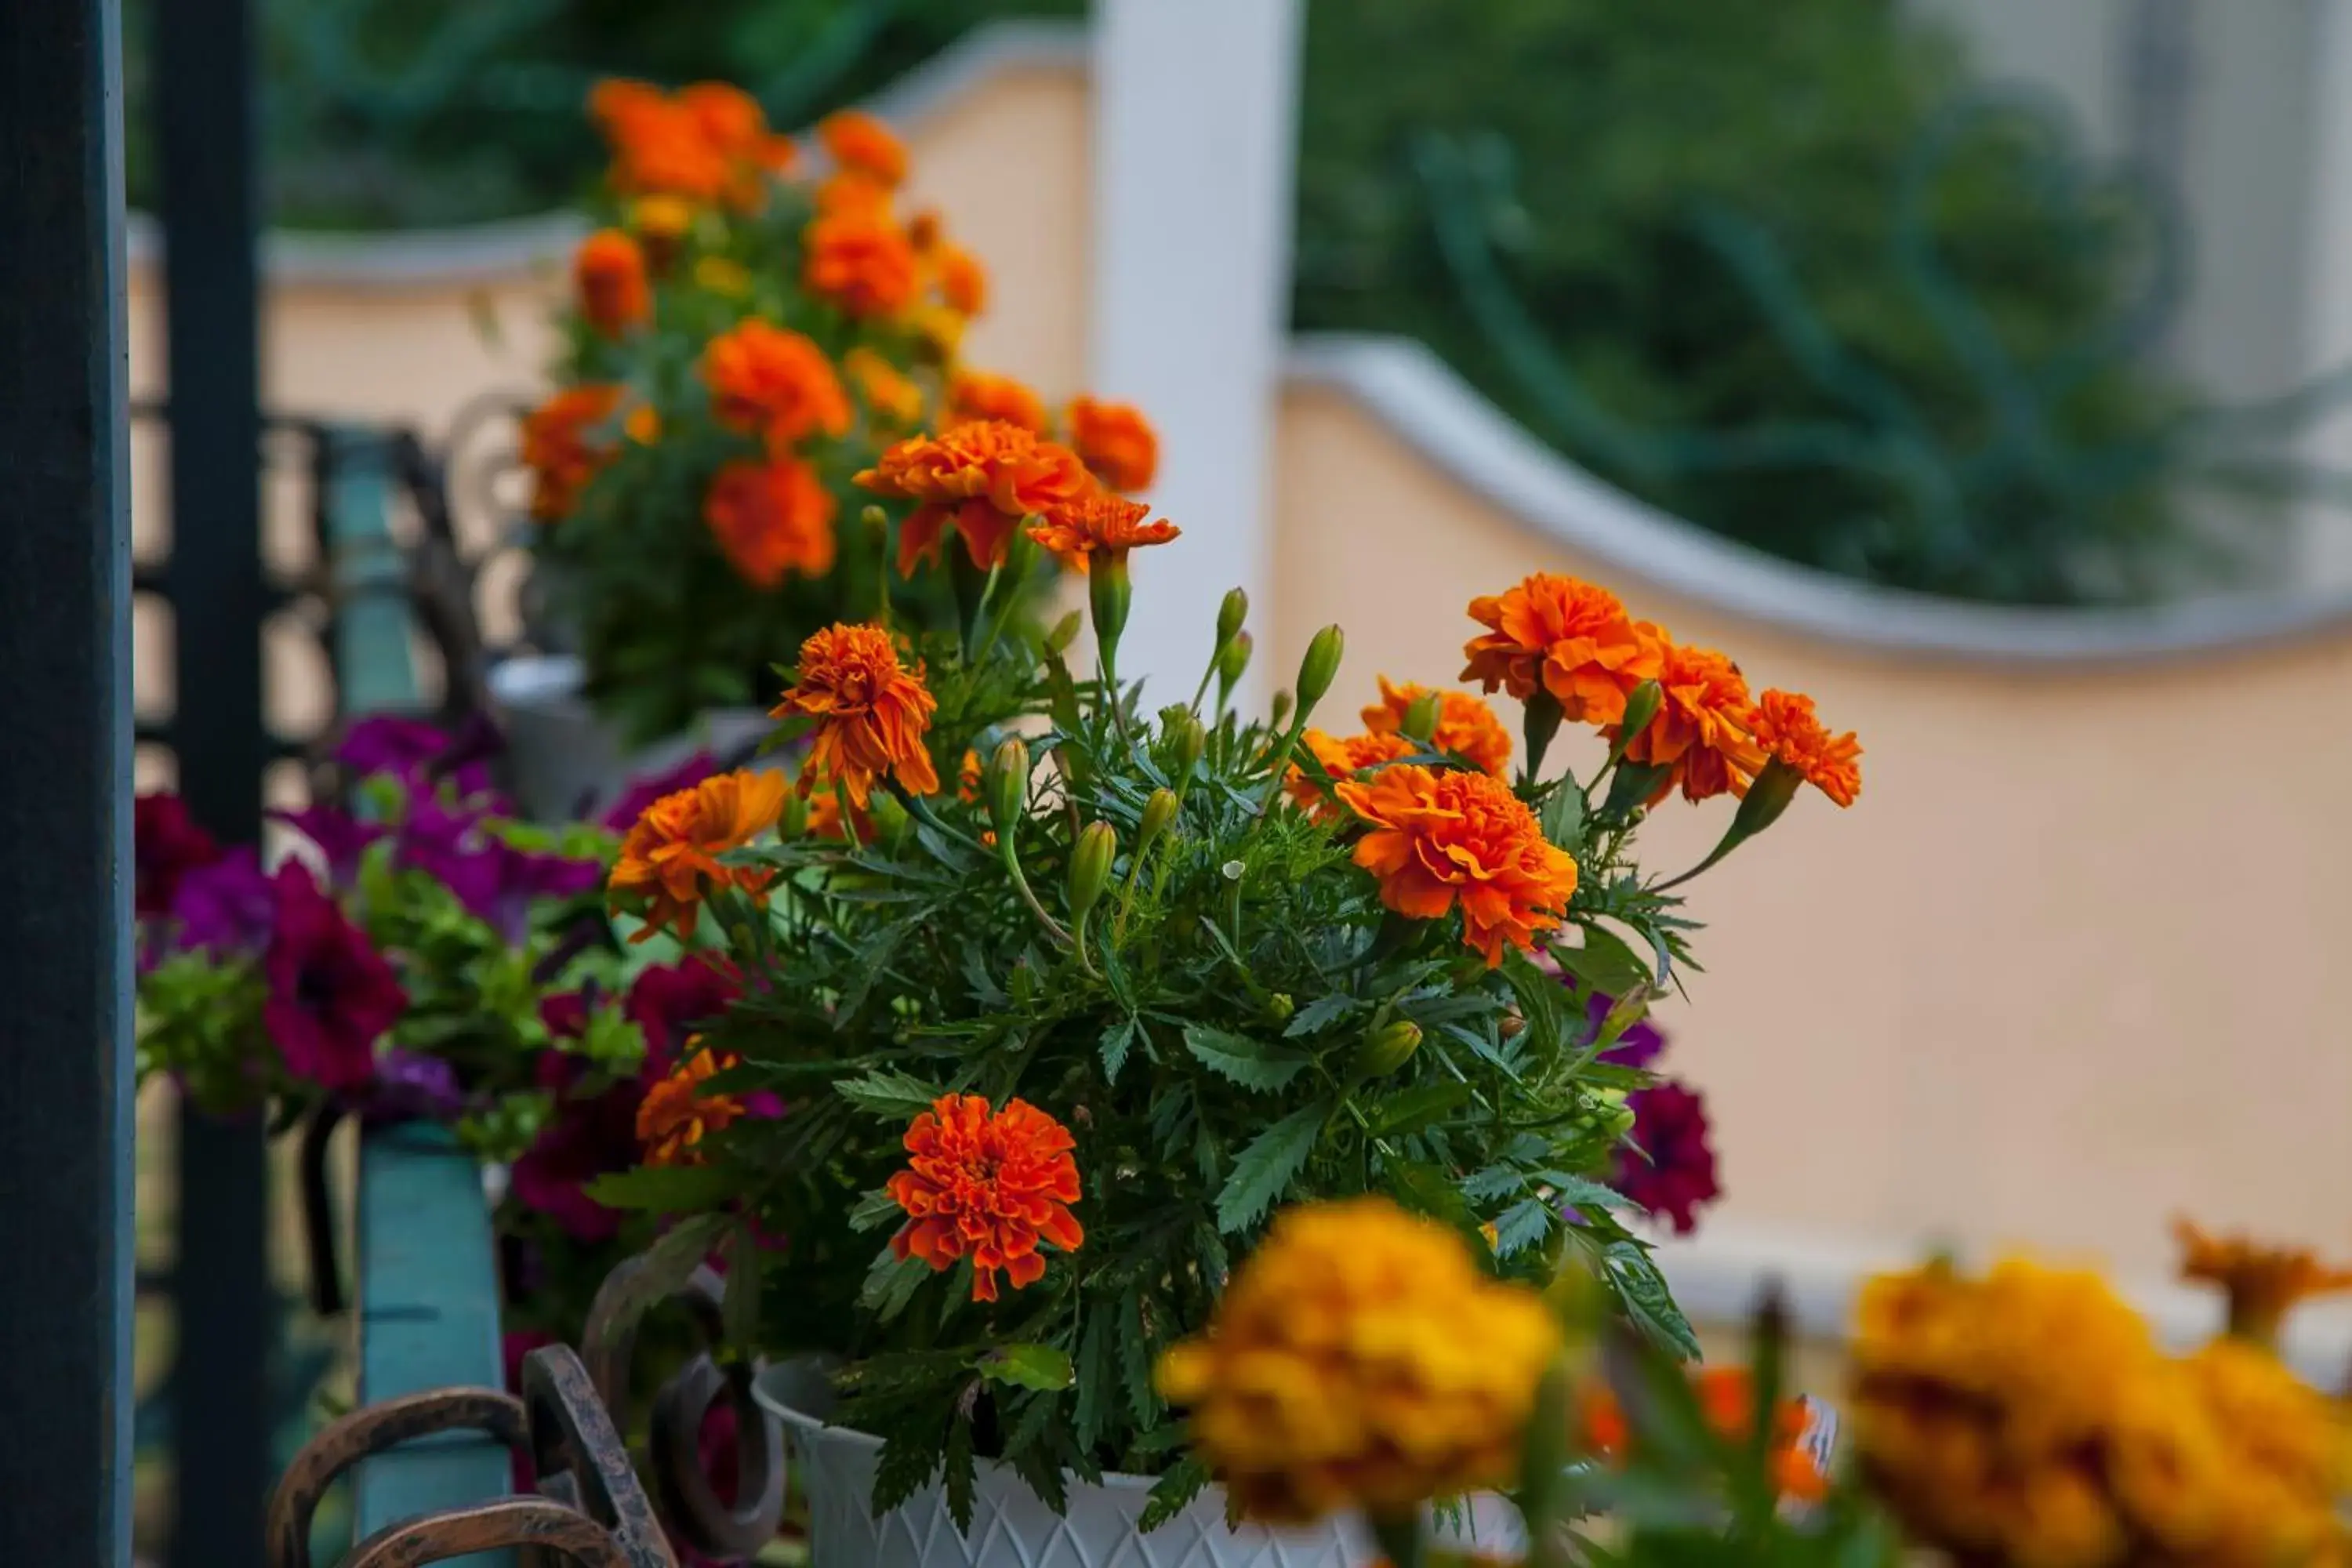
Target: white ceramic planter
{"type": "Point", "coordinates": [1011, 1529]}
{"type": "Point", "coordinates": [563, 755]}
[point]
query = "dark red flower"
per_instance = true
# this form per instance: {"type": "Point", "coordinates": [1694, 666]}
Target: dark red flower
{"type": "Point", "coordinates": [166, 845]}
{"type": "Point", "coordinates": [1670, 1169]}
{"type": "Point", "coordinates": [331, 997]}
{"type": "Point", "coordinates": [642, 791]}
{"type": "Point", "coordinates": [669, 1002]}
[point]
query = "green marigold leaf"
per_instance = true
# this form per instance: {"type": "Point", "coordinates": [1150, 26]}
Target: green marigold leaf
{"type": "Point", "coordinates": [1253, 1064]}
{"type": "Point", "coordinates": [1041, 1367]}
{"type": "Point", "coordinates": [1174, 1493]}
{"type": "Point", "coordinates": [1267, 1166]}
{"type": "Point", "coordinates": [887, 1093]}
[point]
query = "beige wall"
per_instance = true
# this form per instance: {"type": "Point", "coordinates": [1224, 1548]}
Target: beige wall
{"type": "Point", "coordinates": [2075, 960]}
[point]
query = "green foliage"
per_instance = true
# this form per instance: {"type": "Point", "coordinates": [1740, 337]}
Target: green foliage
{"type": "Point", "coordinates": [1673, 241]}
{"type": "Point", "coordinates": [1238, 1023]}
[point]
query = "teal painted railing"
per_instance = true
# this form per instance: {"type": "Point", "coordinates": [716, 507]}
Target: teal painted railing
{"type": "Point", "coordinates": [426, 1258]}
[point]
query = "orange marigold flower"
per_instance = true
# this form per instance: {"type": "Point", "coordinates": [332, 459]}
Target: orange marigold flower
{"type": "Point", "coordinates": [1114, 440]}
{"type": "Point", "coordinates": [871, 714]}
{"type": "Point", "coordinates": [1343, 759]}
{"type": "Point", "coordinates": [708, 143]}
{"type": "Point", "coordinates": [2262, 1283]}
{"type": "Point", "coordinates": [988, 1186]}
{"type": "Point", "coordinates": [775, 384]}
{"type": "Point", "coordinates": [609, 273]}
{"type": "Point", "coordinates": [676, 1112]}
{"type": "Point", "coordinates": [1442, 836]}
{"type": "Point", "coordinates": [1726, 1395]}
{"type": "Point", "coordinates": [558, 449]}
{"type": "Point", "coordinates": [1465, 728]}
{"type": "Point", "coordinates": [824, 819]}
{"type": "Point", "coordinates": [976, 395]}
{"type": "Point", "coordinates": [1565, 636]}
{"type": "Point", "coordinates": [887, 392]}
{"type": "Point", "coordinates": [1098, 524]}
{"type": "Point", "coordinates": [732, 122]}
{"type": "Point", "coordinates": [1786, 726]}
{"type": "Point", "coordinates": [852, 194]}
{"type": "Point", "coordinates": [861, 260]}
{"type": "Point", "coordinates": [670, 857]}
{"type": "Point", "coordinates": [1700, 732]}
{"type": "Point", "coordinates": [771, 519]}
{"type": "Point", "coordinates": [858, 141]}
{"type": "Point", "coordinates": [963, 281]}
{"type": "Point", "coordinates": [984, 478]}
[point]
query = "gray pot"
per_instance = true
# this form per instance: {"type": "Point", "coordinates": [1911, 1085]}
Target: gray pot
{"type": "Point", "coordinates": [567, 761]}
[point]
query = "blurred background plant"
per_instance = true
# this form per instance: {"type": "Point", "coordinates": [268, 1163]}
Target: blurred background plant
{"type": "Point", "coordinates": [1897, 328]}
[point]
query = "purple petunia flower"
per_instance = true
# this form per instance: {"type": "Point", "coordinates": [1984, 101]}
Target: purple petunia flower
{"type": "Point", "coordinates": [495, 881]}
{"type": "Point", "coordinates": [667, 1001]}
{"type": "Point", "coordinates": [411, 1086]}
{"type": "Point", "coordinates": [332, 995]}
{"type": "Point", "coordinates": [225, 909]}
{"type": "Point", "coordinates": [1670, 1169]}
{"type": "Point", "coordinates": [342, 838]}
{"type": "Point", "coordinates": [641, 793]}
{"type": "Point", "coordinates": [416, 753]}
{"type": "Point", "coordinates": [166, 845]}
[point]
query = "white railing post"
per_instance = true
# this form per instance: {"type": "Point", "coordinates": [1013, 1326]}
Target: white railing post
{"type": "Point", "coordinates": [1195, 141]}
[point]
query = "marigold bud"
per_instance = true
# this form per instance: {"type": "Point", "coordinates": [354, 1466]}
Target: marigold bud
{"type": "Point", "coordinates": [1090, 863]}
{"type": "Point", "coordinates": [1191, 740]}
{"type": "Point", "coordinates": [1387, 1049]}
{"type": "Point", "coordinates": [1421, 718]}
{"type": "Point", "coordinates": [1281, 1006]}
{"type": "Point", "coordinates": [1159, 811]}
{"type": "Point", "coordinates": [1320, 667]}
{"type": "Point", "coordinates": [1232, 657]}
{"type": "Point", "coordinates": [1005, 783]}
{"type": "Point", "coordinates": [1278, 710]}
{"type": "Point", "coordinates": [1641, 707]}
{"type": "Point", "coordinates": [1230, 615]}
{"type": "Point", "coordinates": [1611, 1115]}
{"type": "Point", "coordinates": [874, 517]}
{"type": "Point", "coordinates": [1065, 633]}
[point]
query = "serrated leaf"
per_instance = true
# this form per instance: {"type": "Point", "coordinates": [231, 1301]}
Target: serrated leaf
{"type": "Point", "coordinates": [1116, 1041]}
{"type": "Point", "coordinates": [1540, 1004]}
{"type": "Point", "coordinates": [889, 1093]}
{"type": "Point", "coordinates": [1096, 1378]}
{"type": "Point", "coordinates": [1604, 963]}
{"type": "Point", "coordinates": [962, 1474]}
{"type": "Point", "coordinates": [1493, 1182]}
{"type": "Point", "coordinates": [907, 1462]}
{"type": "Point", "coordinates": [1263, 1169]}
{"type": "Point", "coordinates": [891, 1284]}
{"type": "Point", "coordinates": [1582, 1191]}
{"type": "Point", "coordinates": [1425, 1189]}
{"type": "Point", "coordinates": [1173, 1492]}
{"type": "Point", "coordinates": [1522, 1225]}
{"type": "Point", "coordinates": [1319, 1014]}
{"type": "Point", "coordinates": [1253, 1064]}
{"type": "Point", "coordinates": [874, 1210]}
{"type": "Point", "coordinates": [1642, 1291]}
{"type": "Point", "coordinates": [663, 1270]}
{"type": "Point", "coordinates": [1563, 815]}
{"type": "Point", "coordinates": [665, 1189]}
{"type": "Point", "coordinates": [1411, 1109]}
{"type": "Point", "coordinates": [1041, 1367]}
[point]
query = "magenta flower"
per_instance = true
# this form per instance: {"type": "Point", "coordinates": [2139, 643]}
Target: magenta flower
{"type": "Point", "coordinates": [588, 1136]}
{"type": "Point", "coordinates": [332, 995]}
{"type": "Point", "coordinates": [495, 882]}
{"type": "Point", "coordinates": [416, 753]}
{"type": "Point", "coordinates": [341, 838]}
{"type": "Point", "coordinates": [411, 1086]}
{"type": "Point", "coordinates": [226, 908]}
{"type": "Point", "coordinates": [1638, 1047]}
{"type": "Point", "coordinates": [1670, 1168]}
{"type": "Point", "coordinates": [166, 845]}
{"type": "Point", "coordinates": [669, 1002]}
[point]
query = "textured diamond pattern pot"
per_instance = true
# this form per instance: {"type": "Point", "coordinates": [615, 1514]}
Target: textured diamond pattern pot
{"type": "Point", "coordinates": [1011, 1529]}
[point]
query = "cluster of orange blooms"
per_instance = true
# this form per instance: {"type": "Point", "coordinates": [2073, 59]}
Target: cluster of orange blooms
{"type": "Point", "coordinates": [1726, 1397]}
{"type": "Point", "coordinates": [1574, 643]}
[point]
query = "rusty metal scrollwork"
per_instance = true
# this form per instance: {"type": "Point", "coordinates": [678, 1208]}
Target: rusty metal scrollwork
{"type": "Point", "coordinates": [682, 1489]}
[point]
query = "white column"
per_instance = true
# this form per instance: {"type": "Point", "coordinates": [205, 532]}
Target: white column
{"type": "Point", "coordinates": [2326, 555]}
{"type": "Point", "coordinates": [1195, 120]}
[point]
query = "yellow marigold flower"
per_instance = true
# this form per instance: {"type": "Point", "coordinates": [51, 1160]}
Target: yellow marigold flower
{"type": "Point", "coordinates": [669, 860]}
{"type": "Point", "coordinates": [1467, 728]}
{"type": "Point", "coordinates": [726, 278]}
{"type": "Point", "coordinates": [871, 714]}
{"type": "Point", "coordinates": [1098, 524]}
{"type": "Point", "coordinates": [889, 393]}
{"type": "Point", "coordinates": [1442, 836]}
{"type": "Point", "coordinates": [1563, 636]}
{"type": "Point", "coordinates": [980, 395]}
{"type": "Point", "coordinates": [2262, 1283]}
{"type": "Point", "coordinates": [1786, 727]}
{"type": "Point", "coordinates": [677, 1111]}
{"type": "Point", "coordinates": [642, 426]}
{"type": "Point", "coordinates": [1360, 1359]}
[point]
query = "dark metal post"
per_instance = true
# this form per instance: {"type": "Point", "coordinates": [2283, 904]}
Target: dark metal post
{"type": "Point", "coordinates": [206, 135]}
{"type": "Point", "coordinates": [65, 898]}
